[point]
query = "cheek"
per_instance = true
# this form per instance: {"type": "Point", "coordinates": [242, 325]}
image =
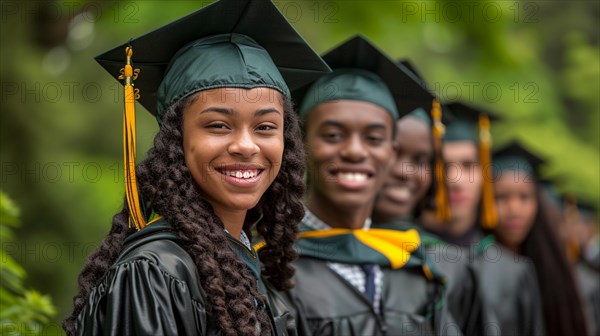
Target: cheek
{"type": "Point", "coordinates": [531, 209]}
{"type": "Point", "coordinates": [424, 178]}
{"type": "Point", "coordinates": [384, 156]}
{"type": "Point", "coordinates": [320, 152]}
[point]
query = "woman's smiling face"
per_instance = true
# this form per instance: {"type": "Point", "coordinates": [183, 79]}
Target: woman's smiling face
{"type": "Point", "coordinates": [233, 144]}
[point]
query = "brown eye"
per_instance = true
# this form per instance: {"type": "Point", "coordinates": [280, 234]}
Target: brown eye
{"type": "Point", "coordinates": [332, 136]}
{"type": "Point", "coordinates": [266, 127]}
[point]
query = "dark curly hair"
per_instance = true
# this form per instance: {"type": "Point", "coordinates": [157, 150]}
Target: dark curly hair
{"type": "Point", "coordinates": [168, 187]}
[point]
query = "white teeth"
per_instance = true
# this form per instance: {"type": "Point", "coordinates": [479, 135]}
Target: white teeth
{"type": "Point", "coordinates": [241, 174]}
{"type": "Point", "coordinates": [354, 177]}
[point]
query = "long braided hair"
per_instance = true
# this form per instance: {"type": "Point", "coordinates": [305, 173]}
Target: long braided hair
{"type": "Point", "coordinates": [166, 184]}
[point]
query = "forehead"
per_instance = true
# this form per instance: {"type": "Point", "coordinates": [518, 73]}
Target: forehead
{"type": "Point", "coordinates": [411, 128]}
{"type": "Point", "coordinates": [350, 114]}
{"type": "Point", "coordinates": [460, 150]}
{"type": "Point", "coordinates": [514, 180]}
{"type": "Point", "coordinates": [261, 96]}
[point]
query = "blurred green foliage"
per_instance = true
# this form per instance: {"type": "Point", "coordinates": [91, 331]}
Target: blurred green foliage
{"type": "Point", "coordinates": [22, 311]}
{"type": "Point", "coordinates": [535, 63]}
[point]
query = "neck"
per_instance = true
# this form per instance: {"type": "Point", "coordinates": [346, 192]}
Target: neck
{"type": "Point", "coordinates": [429, 222]}
{"type": "Point", "coordinates": [515, 248]}
{"type": "Point", "coordinates": [233, 220]}
{"type": "Point", "coordinates": [382, 218]}
{"type": "Point", "coordinates": [460, 226]}
{"type": "Point", "coordinates": [338, 216]}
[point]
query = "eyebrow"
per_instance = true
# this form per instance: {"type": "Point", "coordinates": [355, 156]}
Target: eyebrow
{"type": "Point", "coordinates": [232, 112]}
{"type": "Point", "coordinates": [262, 112]}
{"type": "Point", "coordinates": [330, 122]}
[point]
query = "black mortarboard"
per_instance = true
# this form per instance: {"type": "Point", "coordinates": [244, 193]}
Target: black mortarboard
{"type": "Point", "coordinates": [230, 43]}
{"type": "Point", "coordinates": [363, 72]}
{"type": "Point", "coordinates": [423, 102]}
{"type": "Point", "coordinates": [465, 123]}
{"type": "Point", "coordinates": [515, 157]}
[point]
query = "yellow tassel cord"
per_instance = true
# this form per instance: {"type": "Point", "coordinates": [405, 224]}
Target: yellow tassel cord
{"type": "Point", "coordinates": [442, 206]}
{"type": "Point", "coordinates": [489, 218]}
{"type": "Point", "coordinates": [128, 74]}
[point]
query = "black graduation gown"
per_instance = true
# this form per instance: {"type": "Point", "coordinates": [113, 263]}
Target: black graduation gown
{"type": "Point", "coordinates": [153, 289]}
{"type": "Point", "coordinates": [335, 307]}
{"type": "Point", "coordinates": [463, 296]}
{"type": "Point", "coordinates": [509, 285]}
{"type": "Point", "coordinates": [411, 302]}
{"type": "Point", "coordinates": [588, 282]}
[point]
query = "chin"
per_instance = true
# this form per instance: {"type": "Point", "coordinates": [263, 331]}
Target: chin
{"type": "Point", "coordinates": [352, 201]}
{"type": "Point", "coordinates": [245, 203]}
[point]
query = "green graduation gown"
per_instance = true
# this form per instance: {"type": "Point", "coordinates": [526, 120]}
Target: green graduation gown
{"type": "Point", "coordinates": [153, 289]}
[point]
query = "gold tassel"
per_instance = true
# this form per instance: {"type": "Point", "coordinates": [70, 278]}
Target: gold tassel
{"type": "Point", "coordinates": [442, 206]}
{"type": "Point", "coordinates": [489, 218]}
{"type": "Point", "coordinates": [128, 74]}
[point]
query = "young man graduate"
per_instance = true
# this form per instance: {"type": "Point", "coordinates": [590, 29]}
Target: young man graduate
{"type": "Point", "coordinates": [353, 279]}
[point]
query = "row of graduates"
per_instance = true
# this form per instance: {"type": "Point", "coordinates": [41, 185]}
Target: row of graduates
{"type": "Point", "coordinates": [224, 232]}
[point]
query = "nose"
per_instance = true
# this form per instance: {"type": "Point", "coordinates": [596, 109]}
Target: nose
{"type": "Point", "coordinates": [243, 145]}
{"type": "Point", "coordinates": [354, 149]}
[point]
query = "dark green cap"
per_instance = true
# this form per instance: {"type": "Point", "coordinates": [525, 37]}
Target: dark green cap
{"type": "Point", "coordinates": [515, 157]}
{"type": "Point", "coordinates": [362, 72]}
{"type": "Point", "coordinates": [465, 126]}
{"type": "Point", "coordinates": [421, 100]}
{"type": "Point", "coordinates": [230, 43]}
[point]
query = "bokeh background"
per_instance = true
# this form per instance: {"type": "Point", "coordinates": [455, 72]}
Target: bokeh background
{"type": "Point", "coordinates": [534, 63]}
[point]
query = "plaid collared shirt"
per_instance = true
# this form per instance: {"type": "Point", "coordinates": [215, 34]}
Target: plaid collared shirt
{"type": "Point", "coordinates": [353, 274]}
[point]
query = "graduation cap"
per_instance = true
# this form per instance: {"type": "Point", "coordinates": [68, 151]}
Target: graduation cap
{"type": "Point", "coordinates": [466, 122]}
{"type": "Point", "coordinates": [363, 72]}
{"type": "Point", "coordinates": [515, 157]}
{"type": "Point", "coordinates": [230, 43]}
{"type": "Point", "coordinates": [424, 101]}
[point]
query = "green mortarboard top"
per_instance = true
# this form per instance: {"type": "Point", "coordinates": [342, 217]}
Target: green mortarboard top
{"type": "Point", "coordinates": [363, 72]}
{"type": "Point", "coordinates": [515, 157]}
{"type": "Point", "coordinates": [465, 124]}
{"type": "Point", "coordinates": [229, 43]}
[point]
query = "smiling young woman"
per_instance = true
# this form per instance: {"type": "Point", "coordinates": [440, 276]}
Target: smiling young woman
{"type": "Point", "coordinates": [227, 158]}
{"type": "Point", "coordinates": [524, 229]}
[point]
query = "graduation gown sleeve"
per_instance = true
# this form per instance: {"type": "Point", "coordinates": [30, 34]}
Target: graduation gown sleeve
{"type": "Point", "coordinates": [465, 302]}
{"type": "Point", "coordinates": [151, 290]}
